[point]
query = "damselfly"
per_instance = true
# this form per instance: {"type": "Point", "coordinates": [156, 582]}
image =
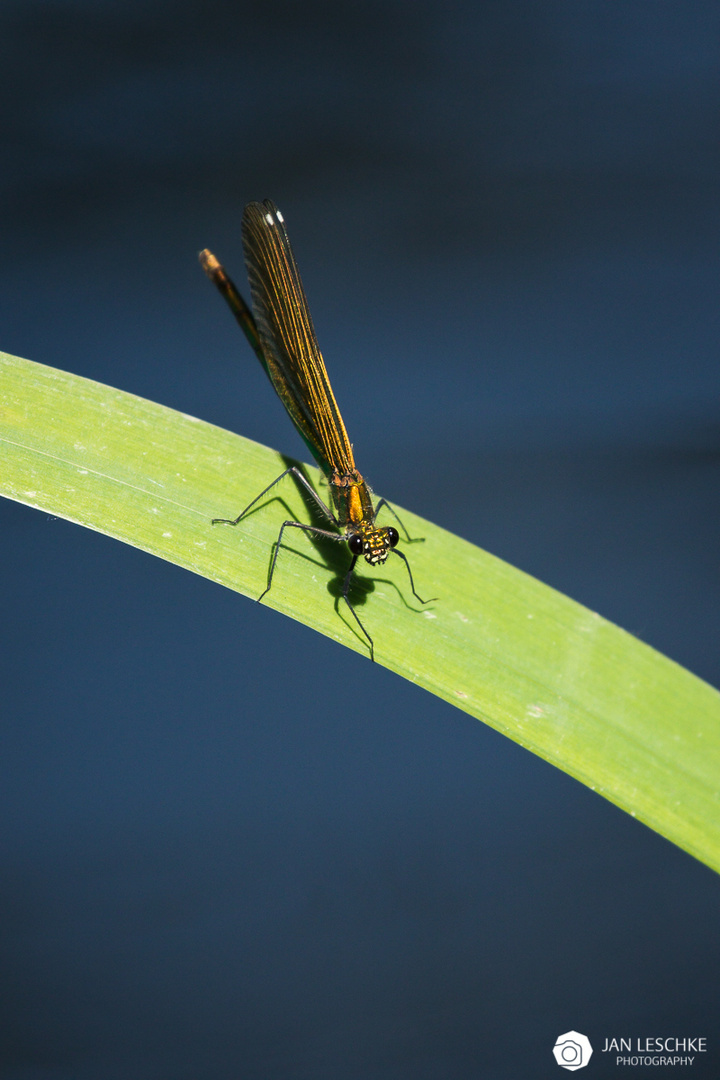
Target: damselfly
{"type": "Point", "coordinates": [282, 335]}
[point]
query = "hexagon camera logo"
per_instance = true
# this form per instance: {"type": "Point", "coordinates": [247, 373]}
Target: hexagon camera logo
{"type": "Point", "coordinates": [572, 1050]}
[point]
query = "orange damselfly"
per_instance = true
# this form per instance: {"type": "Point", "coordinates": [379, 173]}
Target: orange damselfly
{"type": "Point", "coordinates": [280, 331]}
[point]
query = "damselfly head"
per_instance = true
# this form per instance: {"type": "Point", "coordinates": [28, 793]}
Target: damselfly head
{"type": "Point", "coordinates": [373, 544]}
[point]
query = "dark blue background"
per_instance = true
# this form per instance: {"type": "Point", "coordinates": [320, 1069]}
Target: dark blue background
{"type": "Point", "coordinates": [229, 847]}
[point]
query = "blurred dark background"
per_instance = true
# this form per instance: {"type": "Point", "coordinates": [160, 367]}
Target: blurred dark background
{"type": "Point", "coordinates": [229, 847]}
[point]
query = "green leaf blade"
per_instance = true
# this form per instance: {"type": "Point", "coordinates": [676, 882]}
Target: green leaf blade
{"type": "Point", "coordinates": [545, 671]}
